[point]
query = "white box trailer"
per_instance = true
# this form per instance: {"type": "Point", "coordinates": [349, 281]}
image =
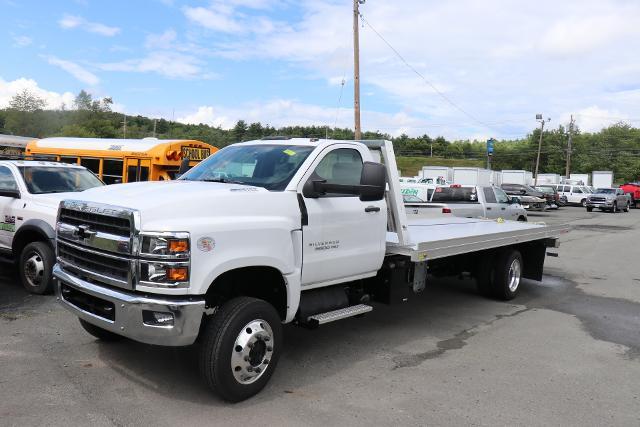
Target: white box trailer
{"type": "Point", "coordinates": [435, 172]}
{"type": "Point", "coordinates": [602, 179]}
{"type": "Point", "coordinates": [472, 176]}
{"type": "Point", "coordinates": [496, 178]}
{"type": "Point", "coordinates": [517, 177]}
{"type": "Point", "coordinates": [584, 177]}
{"type": "Point", "coordinates": [548, 178]}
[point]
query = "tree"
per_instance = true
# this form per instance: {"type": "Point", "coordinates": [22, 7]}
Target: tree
{"type": "Point", "coordinates": [26, 101]}
{"type": "Point", "coordinates": [83, 101]}
{"type": "Point", "coordinates": [239, 130]}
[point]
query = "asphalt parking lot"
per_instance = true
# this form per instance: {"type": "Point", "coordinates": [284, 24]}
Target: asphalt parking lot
{"type": "Point", "coordinates": [565, 352]}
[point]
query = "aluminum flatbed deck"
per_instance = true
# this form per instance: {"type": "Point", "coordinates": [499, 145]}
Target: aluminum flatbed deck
{"type": "Point", "coordinates": [433, 238]}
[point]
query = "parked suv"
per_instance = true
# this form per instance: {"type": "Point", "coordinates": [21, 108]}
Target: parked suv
{"type": "Point", "coordinates": [610, 199]}
{"type": "Point", "coordinates": [575, 194]}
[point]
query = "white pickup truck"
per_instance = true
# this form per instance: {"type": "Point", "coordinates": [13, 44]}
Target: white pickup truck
{"type": "Point", "coordinates": [468, 201]}
{"type": "Point", "coordinates": [299, 230]}
{"type": "Point", "coordinates": [30, 192]}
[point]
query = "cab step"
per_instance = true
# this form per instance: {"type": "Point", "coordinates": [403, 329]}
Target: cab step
{"type": "Point", "coordinates": [342, 313]}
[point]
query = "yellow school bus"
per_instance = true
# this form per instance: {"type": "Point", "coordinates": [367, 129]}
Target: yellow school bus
{"type": "Point", "coordinates": [123, 160]}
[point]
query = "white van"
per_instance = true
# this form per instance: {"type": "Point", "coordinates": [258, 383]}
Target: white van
{"type": "Point", "coordinates": [575, 194]}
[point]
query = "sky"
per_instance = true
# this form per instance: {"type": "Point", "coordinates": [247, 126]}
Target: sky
{"type": "Point", "coordinates": [463, 69]}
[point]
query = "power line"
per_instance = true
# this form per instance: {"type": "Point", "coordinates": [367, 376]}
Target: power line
{"type": "Point", "coordinates": [435, 89]}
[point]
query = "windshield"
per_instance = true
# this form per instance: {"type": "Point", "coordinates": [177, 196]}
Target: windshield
{"type": "Point", "coordinates": [267, 166]}
{"type": "Point", "coordinates": [545, 190]}
{"type": "Point", "coordinates": [606, 191]}
{"type": "Point", "coordinates": [44, 180]}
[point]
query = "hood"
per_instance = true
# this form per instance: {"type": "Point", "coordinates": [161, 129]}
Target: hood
{"type": "Point", "coordinates": [163, 194]}
{"type": "Point", "coordinates": [53, 199]}
{"type": "Point", "coordinates": [605, 195]}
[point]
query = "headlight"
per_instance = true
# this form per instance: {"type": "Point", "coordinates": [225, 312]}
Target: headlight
{"type": "Point", "coordinates": [165, 245]}
{"type": "Point", "coordinates": [164, 274]}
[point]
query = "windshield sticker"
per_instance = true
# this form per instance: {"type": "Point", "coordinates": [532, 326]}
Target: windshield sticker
{"type": "Point", "coordinates": [409, 192]}
{"type": "Point", "coordinates": [289, 152]}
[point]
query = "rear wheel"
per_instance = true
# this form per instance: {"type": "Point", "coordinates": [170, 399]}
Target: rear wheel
{"type": "Point", "coordinates": [241, 345]}
{"type": "Point", "coordinates": [507, 274]}
{"type": "Point", "coordinates": [522, 218]}
{"type": "Point", "coordinates": [98, 332]}
{"type": "Point", "coordinates": [36, 267]}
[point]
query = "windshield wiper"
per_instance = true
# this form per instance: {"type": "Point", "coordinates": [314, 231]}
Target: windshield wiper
{"type": "Point", "coordinates": [224, 181]}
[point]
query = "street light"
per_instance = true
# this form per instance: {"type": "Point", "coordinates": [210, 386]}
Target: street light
{"type": "Point", "coordinates": [542, 122]}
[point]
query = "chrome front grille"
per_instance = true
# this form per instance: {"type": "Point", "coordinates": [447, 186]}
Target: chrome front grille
{"type": "Point", "coordinates": [98, 242]}
{"type": "Point", "coordinates": [97, 222]}
{"type": "Point", "coordinates": [597, 199]}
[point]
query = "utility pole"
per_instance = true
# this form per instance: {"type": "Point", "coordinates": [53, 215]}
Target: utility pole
{"type": "Point", "coordinates": [569, 144]}
{"type": "Point", "coordinates": [155, 122]}
{"type": "Point", "coordinates": [124, 128]}
{"type": "Point", "coordinates": [542, 122]}
{"type": "Point", "coordinates": [356, 68]}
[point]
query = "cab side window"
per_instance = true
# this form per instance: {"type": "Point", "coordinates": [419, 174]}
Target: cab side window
{"type": "Point", "coordinates": [488, 195]}
{"type": "Point", "coordinates": [501, 196]}
{"type": "Point", "coordinates": [342, 166]}
{"type": "Point", "coordinates": [7, 181]}
{"type": "Point", "coordinates": [577, 190]}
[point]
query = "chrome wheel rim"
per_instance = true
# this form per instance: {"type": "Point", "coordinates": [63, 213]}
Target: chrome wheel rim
{"type": "Point", "coordinates": [514, 275]}
{"type": "Point", "coordinates": [252, 351]}
{"type": "Point", "coordinates": [34, 269]}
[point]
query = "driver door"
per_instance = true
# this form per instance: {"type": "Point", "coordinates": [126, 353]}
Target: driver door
{"type": "Point", "coordinates": [344, 237]}
{"type": "Point", "coordinates": [7, 217]}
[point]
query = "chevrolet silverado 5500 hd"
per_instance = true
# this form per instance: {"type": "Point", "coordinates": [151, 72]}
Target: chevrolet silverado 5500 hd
{"type": "Point", "coordinates": [265, 233]}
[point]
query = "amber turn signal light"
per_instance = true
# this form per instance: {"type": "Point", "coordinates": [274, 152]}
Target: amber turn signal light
{"type": "Point", "coordinates": [178, 274]}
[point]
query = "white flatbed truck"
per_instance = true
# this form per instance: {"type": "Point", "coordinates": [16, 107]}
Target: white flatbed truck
{"type": "Point", "coordinates": [299, 230]}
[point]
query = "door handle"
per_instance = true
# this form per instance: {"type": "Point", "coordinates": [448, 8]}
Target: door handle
{"type": "Point", "coordinates": [372, 209]}
{"type": "Point", "coordinates": [488, 208]}
{"type": "Point", "coordinates": [503, 208]}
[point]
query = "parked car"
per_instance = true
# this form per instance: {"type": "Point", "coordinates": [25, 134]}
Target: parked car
{"type": "Point", "coordinates": [633, 190]}
{"type": "Point", "coordinates": [30, 192]}
{"type": "Point", "coordinates": [608, 199]}
{"type": "Point", "coordinates": [469, 201]}
{"type": "Point", "coordinates": [551, 194]}
{"type": "Point", "coordinates": [530, 198]}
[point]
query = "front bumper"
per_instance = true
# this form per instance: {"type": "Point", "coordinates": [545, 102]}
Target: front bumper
{"type": "Point", "coordinates": [126, 309]}
{"type": "Point", "coordinates": [602, 205]}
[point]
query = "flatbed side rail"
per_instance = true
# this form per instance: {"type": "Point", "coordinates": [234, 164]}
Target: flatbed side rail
{"type": "Point", "coordinates": [423, 251]}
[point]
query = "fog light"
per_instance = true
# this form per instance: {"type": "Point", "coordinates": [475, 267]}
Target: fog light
{"type": "Point", "coordinates": [157, 318]}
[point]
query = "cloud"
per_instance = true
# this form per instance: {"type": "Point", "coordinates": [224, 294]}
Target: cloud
{"type": "Point", "coordinates": [74, 69]}
{"type": "Point", "coordinates": [22, 41]}
{"type": "Point", "coordinates": [165, 63]}
{"type": "Point", "coordinates": [161, 41]}
{"type": "Point", "coordinates": [71, 22]}
{"type": "Point", "coordinates": [53, 99]}
{"type": "Point", "coordinates": [229, 17]}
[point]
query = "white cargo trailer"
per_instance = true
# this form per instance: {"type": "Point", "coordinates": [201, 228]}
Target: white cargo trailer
{"type": "Point", "coordinates": [548, 178]}
{"type": "Point", "coordinates": [576, 177]}
{"type": "Point", "coordinates": [602, 179]}
{"type": "Point", "coordinates": [472, 176]}
{"type": "Point", "coordinates": [517, 177]}
{"type": "Point", "coordinates": [435, 172]}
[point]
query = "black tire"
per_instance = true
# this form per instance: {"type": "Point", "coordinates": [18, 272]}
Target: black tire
{"type": "Point", "coordinates": [501, 278]}
{"type": "Point", "coordinates": [583, 202]}
{"type": "Point", "coordinates": [614, 209]}
{"type": "Point", "coordinates": [589, 209]}
{"type": "Point", "coordinates": [98, 332]}
{"type": "Point", "coordinates": [36, 267]}
{"type": "Point", "coordinates": [218, 347]}
{"type": "Point", "coordinates": [522, 218]}
{"type": "Point", "coordinates": [628, 207]}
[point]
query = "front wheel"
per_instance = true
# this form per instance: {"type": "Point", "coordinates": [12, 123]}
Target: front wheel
{"type": "Point", "coordinates": [36, 267]}
{"type": "Point", "coordinates": [522, 218]}
{"type": "Point", "coordinates": [241, 345]}
{"type": "Point", "coordinates": [614, 209]}
{"type": "Point", "coordinates": [628, 207]}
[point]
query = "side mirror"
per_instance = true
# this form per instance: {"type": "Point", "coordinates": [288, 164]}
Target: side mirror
{"type": "Point", "coordinates": [523, 191]}
{"type": "Point", "coordinates": [514, 200]}
{"type": "Point", "coordinates": [313, 188]}
{"type": "Point", "coordinates": [14, 194]}
{"type": "Point", "coordinates": [373, 182]}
